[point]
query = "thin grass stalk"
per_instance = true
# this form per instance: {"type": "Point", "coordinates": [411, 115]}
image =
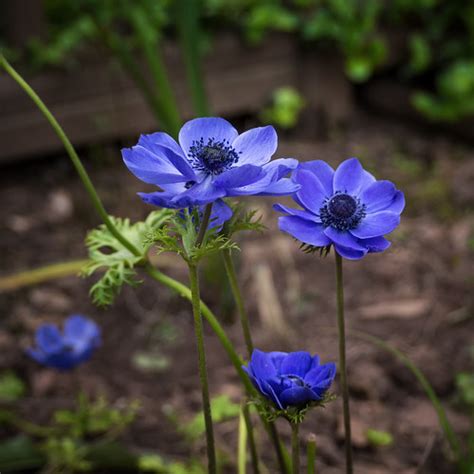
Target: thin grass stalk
{"type": "Point", "coordinates": [242, 443]}
{"type": "Point", "coordinates": [187, 19]}
{"type": "Point", "coordinates": [311, 454]}
{"type": "Point", "coordinates": [149, 45]}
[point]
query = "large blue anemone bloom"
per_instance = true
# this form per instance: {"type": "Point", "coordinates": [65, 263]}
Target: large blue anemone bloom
{"type": "Point", "coordinates": [347, 208]}
{"type": "Point", "coordinates": [290, 379]}
{"type": "Point", "coordinates": [211, 161]}
{"type": "Point", "coordinates": [66, 350]}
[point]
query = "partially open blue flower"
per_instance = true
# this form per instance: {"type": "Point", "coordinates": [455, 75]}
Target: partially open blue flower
{"type": "Point", "coordinates": [211, 161]}
{"type": "Point", "coordinates": [347, 208]}
{"type": "Point", "coordinates": [292, 379]}
{"type": "Point", "coordinates": [64, 351]}
{"type": "Point", "coordinates": [220, 214]}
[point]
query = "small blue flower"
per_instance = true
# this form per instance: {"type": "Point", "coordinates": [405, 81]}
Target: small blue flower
{"type": "Point", "coordinates": [211, 161]}
{"type": "Point", "coordinates": [81, 336]}
{"type": "Point", "coordinates": [347, 208]}
{"type": "Point", "coordinates": [220, 214]}
{"type": "Point", "coordinates": [290, 379]}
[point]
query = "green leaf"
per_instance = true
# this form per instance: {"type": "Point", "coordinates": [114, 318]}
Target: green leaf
{"type": "Point", "coordinates": [106, 252]}
{"type": "Point", "coordinates": [379, 438]}
{"type": "Point", "coordinates": [11, 387]}
{"type": "Point", "coordinates": [19, 454]}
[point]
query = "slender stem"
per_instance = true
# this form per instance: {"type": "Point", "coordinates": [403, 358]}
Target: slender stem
{"type": "Point", "coordinates": [242, 443]}
{"type": "Point", "coordinates": [204, 224]}
{"type": "Point", "coordinates": [206, 404]}
{"type": "Point", "coordinates": [96, 201]}
{"type": "Point", "coordinates": [251, 439]}
{"type": "Point", "coordinates": [234, 285]}
{"type": "Point", "coordinates": [39, 275]}
{"type": "Point", "coordinates": [311, 454]}
{"type": "Point", "coordinates": [342, 363]}
{"type": "Point", "coordinates": [147, 38]}
{"type": "Point", "coordinates": [282, 454]}
{"type": "Point", "coordinates": [295, 448]}
{"type": "Point", "coordinates": [187, 20]}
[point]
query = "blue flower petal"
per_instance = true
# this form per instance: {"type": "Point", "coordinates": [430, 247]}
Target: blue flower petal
{"type": "Point", "coordinates": [256, 146]}
{"type": "Point", "coordinates": [152, 168]}
{"type": "Point", "coordinates": [239, 176]}
{"type": "Point", "coordinates": [305, 231]}
{"type": "Point", "coordinates": [351, 178]}
{"type": "Point", "coordinates": [296, 363]}
{"type": "Point", "coordinates": [297, 212]}
{"type": "Point", "coordinates": [277, 358]}
{"type": "Point", "coordinates": [48, 338]}
{"type": "Point", "coordinates": [312, 193]}
{"type": "Point", "coordinates": [282, 187]}
{"type": "Point", "coordinates": [323, 172]}
{"type": "Point", "coordinates": [344, 238]}
{"type": "Point", "coordinates": [398, 203]}
{"type": "Point", "coordinates": [221, 213]}
{"type": "Point", "coordinates": [378, 196]}
{"type": "Point", "coordinates": [297, 396]}
{"type": "Point", "coordinates": [272, 390]}
{"type": "Point", "coordinates": [376, 244]}
{"type": "Point", "coordinates": [162, 139]}
{"type": "Point", "coordinates": [81, 333]}
{"type": "Point", "coordinates": [200, 193]}
{"type": "Point", "coordinates": [374, 225]}
{"type": "Point", "coordinates": [279, 168]}
{"type": "Point", "coordinates": [322, 376]}
{"type": "Point", "coordinates": [315, 362]}
{"type": "Point", "coordinates": [207, 127]}
{"type": "Point", "coordinates": [348, 253]}
{"type": "Point", "coordinates": [262, 365]}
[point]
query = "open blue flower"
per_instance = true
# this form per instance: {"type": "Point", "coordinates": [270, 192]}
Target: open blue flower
{"type": "Point", "coordinates": [211, 161]}
{"type": "Point", "coordinates": [347, 208]}
{"type": "Point", "coordinates": [80, 337]}
{"type": "Point", "coordinates": [292, 379]}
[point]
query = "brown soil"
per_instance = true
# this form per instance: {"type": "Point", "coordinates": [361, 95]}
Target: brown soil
{"type": "Point", "coordinates": [416, 296]}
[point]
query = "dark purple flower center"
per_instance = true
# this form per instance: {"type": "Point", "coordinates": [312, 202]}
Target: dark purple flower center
{"type": "Point", "coordinates": [342, 211]}
{"type": "Point", "coordinates": [213, 157]}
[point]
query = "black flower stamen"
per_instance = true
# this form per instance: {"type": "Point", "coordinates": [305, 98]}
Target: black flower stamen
{"type": "Point", "coordinates": [342, 211]}
{"type": "Point", "coordinates": [213, 157]}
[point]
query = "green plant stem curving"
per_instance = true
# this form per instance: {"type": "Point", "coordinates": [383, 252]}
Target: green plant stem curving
{"type": "Point", "coordinates": [295, 448]}
{"type": "Point", "coordinates": [234, 285]}
{"type": "Point", "coordinates": [342, 363]}
{"type": "Point", "coordinates": [251, 439]}
{"type": "Point", "coordinates": [96, 201]}
{"type": "Point", "coordinates": [311, 454]}
{"type": "Point", "coordinates": [206, 404]}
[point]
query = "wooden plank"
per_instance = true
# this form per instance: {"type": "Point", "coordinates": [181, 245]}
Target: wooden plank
{"type": "Point", "coordinates": [98, 102]}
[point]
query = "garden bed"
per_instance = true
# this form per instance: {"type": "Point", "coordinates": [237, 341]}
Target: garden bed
{"type": "Point", "coordinates": [417, 296]}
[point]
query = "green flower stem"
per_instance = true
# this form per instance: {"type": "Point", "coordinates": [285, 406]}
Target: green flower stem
{"type": "Point", "coordinates": [342, 363]}
{"type": "Point", "coordinates": [234, 285]}
{"type": "Point", "coordinates": [295, 448]}
{"type": "Point", "coordinates": [251, 439]}
{"type": "Point", "coordinates": [187, 20]}
{"type": "Point", "coordinates": [242, 444]}
{"type": "Point", "coordinates": [147, 38]}
{"type": "Point", "coordinates": [42, 274]}
{"type": "Point", "coordinates": [96, 201]}
{"type": "Point", "coordinates": [204, 224]}
{"type": "Point", "coordinates": [311, 454]}
{"type": "Point", "coordinates": [206, 404]}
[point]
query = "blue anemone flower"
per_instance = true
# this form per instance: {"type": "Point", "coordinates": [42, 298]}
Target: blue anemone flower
{"type": "Point", "coordinates": [347, 208]}
{"type": "Point", "coordinates": [64, 351]}
{"type": "Point", "coordinates": [211, 161]}
{"type": "Point", "coordinates": [290, 379]}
